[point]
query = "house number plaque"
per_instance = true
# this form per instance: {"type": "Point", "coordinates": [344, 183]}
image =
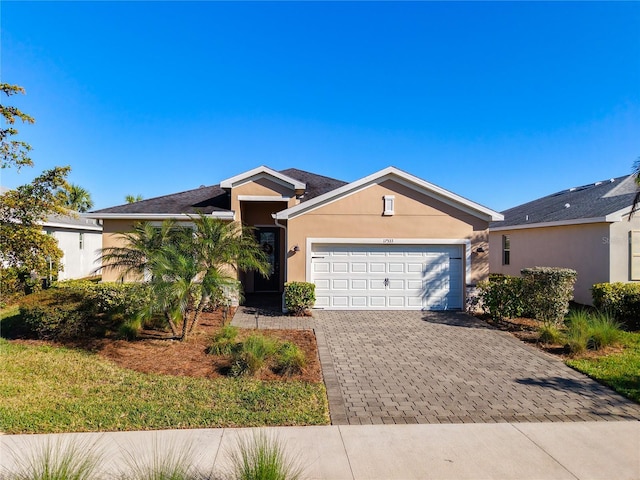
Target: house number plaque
{"type": "Point", "coordinates": [387, 240]}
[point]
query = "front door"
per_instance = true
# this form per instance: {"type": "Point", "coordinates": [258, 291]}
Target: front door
{"type": "Point", "coordinates": [268, 238]}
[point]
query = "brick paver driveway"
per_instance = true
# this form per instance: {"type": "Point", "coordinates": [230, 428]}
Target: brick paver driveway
{"type": "Point", "coordinates": [435, 367]}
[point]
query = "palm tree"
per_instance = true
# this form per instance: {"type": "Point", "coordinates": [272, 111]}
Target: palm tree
{"type": "Point", "coordinates": [76, 198]}
{"type": "Point", "coordinates": [186, 267]}
{"type": "Point", "coordinates": [132, 199]}
{"type": "Point", "coordinates": [636, 199]}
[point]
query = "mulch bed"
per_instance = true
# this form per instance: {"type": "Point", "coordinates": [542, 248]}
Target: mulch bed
{"type": "Point", "coordinates": [154, 352]}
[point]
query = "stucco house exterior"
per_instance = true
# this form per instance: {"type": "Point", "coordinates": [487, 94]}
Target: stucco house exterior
{"type": "Point", "coordinates": [80, 239]}
{"type": "Point", "coordinates": [585, 228]}
{"type": "Point", "coordinates": [387, 241]}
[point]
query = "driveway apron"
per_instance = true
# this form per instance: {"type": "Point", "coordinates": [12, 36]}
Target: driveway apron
{"type": "Point", "coordinates": [449, 367]}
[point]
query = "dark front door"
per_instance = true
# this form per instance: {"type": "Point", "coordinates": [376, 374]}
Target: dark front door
{"type": "Point", "coordinates": [269, 240]}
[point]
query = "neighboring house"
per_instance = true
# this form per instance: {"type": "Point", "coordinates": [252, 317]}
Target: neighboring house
{"type": "Point", "coordinates": [80, 239]}
{"type": "Point", "coordinates": [584, 228]}
{"type": "Point", "coordinates": [387, 241]}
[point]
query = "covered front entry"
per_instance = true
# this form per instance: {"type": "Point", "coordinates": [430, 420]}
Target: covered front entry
{"type": "Point", "coordinates": [375, 277]}
{"type": "Point", "coordinates": [269, 240]}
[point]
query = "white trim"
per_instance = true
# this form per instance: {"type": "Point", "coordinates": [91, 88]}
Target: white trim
{"type": "Point", "coordinates": [261, 172]}
{"type": "Point", "coordinates": [560, 223]}
{"type": "Point", "coordinates": [227, 215]}
{"type": "Point", "coordinates": [401, 177]}
{"type": "Point", "coordinates": [263, 198]}
{"type": "Point", "coordinates": [389, 241]}
{"type": "Point", "coordinates": [68, 226]}
{"type": "Point", "coordinates": [388, 201]}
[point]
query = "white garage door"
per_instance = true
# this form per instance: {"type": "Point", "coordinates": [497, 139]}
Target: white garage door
{"type": "Point", "coordinates": [369, 277]}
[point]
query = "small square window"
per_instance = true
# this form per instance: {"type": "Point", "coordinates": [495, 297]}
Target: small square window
{"type": "Point", "coordinates": [506, 250]}
{"type": "Point", "coordinates": [81, 241]}
{"type": "Point", "coordinates": [388, 201]}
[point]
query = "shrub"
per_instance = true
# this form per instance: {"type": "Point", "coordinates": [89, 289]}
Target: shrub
{"type": "Point", "coordinates": [603, 331]}
{"type": "Point", "coordinates": [548, 291]}
{"type": "Point", "coordinates": [253, 355]}
{"type": "Point", "coordinates": [501, 296]}
{"type": "Point", "coordinates": [550, 334]}
{"type": "Point", "coordinates": [73, 460]}
{"type": "Point", "coordinates": [262, 458]}
{"type": "Point", "coordinates": [590, 331]}
{"type": "Point", "coordinates": [622, 300]}
{"type": "Point", "coordinates": [110, 298]}
{"type": "Point", "coordinates": [53, 314]}
{"type": "Point", "coordinates": [223, 342]}
{"type": "Point", "coordinates": [290, 359]}
{"type": "Point", "coordinates": [299, 297]}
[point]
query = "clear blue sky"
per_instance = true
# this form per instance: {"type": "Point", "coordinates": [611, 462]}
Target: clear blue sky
{"type": "Point", "coordinates": [498, 102]}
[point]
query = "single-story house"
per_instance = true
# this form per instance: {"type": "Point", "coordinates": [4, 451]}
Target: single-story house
{"type": "Point", "coordinates": [80, 239]}
{"type": "Point", "coordinates": [387, 241]}
{"type": "Point", "coordinates": [585, 228]}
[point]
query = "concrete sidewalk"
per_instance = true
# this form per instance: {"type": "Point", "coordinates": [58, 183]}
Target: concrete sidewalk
{"type": "Point", "coordinates": [581, 450]}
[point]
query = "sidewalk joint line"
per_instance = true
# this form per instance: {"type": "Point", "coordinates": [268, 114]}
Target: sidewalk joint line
{"type": "Point", "coordinates": [346, 454]}
{"type": "Point", "coordinates": [545, 451]}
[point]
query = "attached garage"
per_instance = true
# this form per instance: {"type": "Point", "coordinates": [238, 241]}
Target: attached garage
{"type": "Point", "coordinates": [404, 277]}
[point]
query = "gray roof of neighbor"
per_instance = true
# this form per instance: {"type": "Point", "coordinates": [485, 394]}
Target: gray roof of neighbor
{"type": "Point", "coordinates": [72, 222]}
{"type": "Point", "coordinates": [595, 200]}
{"type": "Point", "coordinates": [215, 199]}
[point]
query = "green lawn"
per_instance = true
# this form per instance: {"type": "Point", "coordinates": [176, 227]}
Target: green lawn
{"type": "Point", "coordinates": [621, 371]}
{"type": "Point", "coordinates": [48, 389]}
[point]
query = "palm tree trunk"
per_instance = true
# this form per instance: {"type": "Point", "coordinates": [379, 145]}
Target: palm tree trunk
{"type": "Point", "coordinates": [172, 325]}
{"type": "Point", "coordinates": [196, 315]}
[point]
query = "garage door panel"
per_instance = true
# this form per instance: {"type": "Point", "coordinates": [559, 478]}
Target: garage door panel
{"type": "Point", "coordinates": [378, 267]}
{"type": "Point", "coordinates": [396, 268]}
{"type": "Point", "coordinates": [339, 267]}
{"type": "Point", "coordinates": [339, 301]}
{"type": "Point", "coordinates": [388, 276]}
{"type": "Point", "coordinates": [359, 284]}
{"type": "Point", "coordinates": [340, 284]}
{"type": "Point", "coordinates": [358, 267]}
{"type": "Point", "coordinates": [378, 301]}
{"type": "Point", "coordinates": [359, 302]}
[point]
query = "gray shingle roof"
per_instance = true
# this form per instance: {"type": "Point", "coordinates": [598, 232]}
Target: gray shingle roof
{"type": "Point", "coordinates": [213, 198]}
{"type": "Point", "coordinates": [595, 200]}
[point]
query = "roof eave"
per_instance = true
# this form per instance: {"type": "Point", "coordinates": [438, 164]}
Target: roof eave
{"type": "Point", "coordinates": [559, 223]}
{"type": "Point", "coordinates": [439, 193]}
{"type": "Point", "coordinates": [227, 215]}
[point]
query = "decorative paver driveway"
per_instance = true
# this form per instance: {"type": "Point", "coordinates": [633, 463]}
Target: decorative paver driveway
{"type": "Point", "coordinates": [435, 367]}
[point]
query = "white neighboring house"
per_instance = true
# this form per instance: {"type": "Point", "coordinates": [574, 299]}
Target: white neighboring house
{"type": "Point", "coordinates": [80, 239]}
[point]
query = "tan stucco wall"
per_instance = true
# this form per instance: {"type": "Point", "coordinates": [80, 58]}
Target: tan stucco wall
{"type": "Point", "coordinates": [619, 245]}
{"type": "Point", "coordinates": [111, 238]}
{"type": "Point", "coordinates": [580, 247]}
{"type": "Point", "coordinates": [261, 187]}
{"type": "Point", "coordinates": [360, 216]}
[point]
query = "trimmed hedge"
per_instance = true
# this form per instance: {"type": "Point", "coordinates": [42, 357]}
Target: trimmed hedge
{"type": "Point", "coordinates": [548, 291]}
{"type": "Point", "coordinates": [74, 308]}
{"type": "Point", "coordinates": [299, 297]}
{"type": "Point", "coordinates": [622, 300]}
{"type": "Point", "coordinates": [54, 314]}
{"type": "Point", "coordinates": [501, 296]}
{"type": "Point", "coordinates": [110, 298]}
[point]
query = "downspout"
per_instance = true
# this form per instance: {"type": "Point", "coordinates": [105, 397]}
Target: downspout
{"type": "Point", "coordinates": [286, 252]}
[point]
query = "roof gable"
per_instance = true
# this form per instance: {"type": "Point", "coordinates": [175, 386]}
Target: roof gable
{"type": "Point", "coordinates": [404, 178]}
{"type": "Point", "coordinates": [604, 201]}
{"type": "Point", "coordinates": [263, 172]}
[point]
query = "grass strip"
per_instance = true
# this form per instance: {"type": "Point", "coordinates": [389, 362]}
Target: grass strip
{"type": "Point", "coordinates": [620, 371]}
{"type": "Point", "coordinates": [48, 389]}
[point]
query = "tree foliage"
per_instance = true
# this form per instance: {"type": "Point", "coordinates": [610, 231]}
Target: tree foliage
{"type": "Point", "coordinates": [75, 198]}
{"type": "Point", "coordinates": [132, 198]}
{"type": "Point", "coordinates": [14, 152]}
{"type": "Point", "coordinates": [185, 267]}
{"type": "Point", "coordinates": [636, 199]}
{"type": "Point", "coordinates": [23, 244]}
